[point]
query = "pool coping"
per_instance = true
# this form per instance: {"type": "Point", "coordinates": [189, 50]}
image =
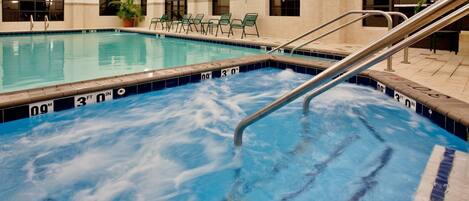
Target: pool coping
{"type": "Point", "coordinates": [449, 113]}
{"type": "Point", "coordinates": [306, 51]}
{"type": "Point", "coordinates": [57, 31]}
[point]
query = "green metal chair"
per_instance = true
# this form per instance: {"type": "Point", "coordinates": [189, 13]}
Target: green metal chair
{"type": "Point", "coordinates": [163, 19]}
{"type": "Point", "coordinates": [224, 20]}
{"type": "Point", "coordinates": [171, 23]}
{"type": "Point", "coordinates": [197, 21]}
{"type": "Point", "coordinates": [186, 19]}
{"type": "Point", "coordinates": [248, 21]}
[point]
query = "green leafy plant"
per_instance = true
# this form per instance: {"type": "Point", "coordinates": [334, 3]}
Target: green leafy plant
{"type": "Point", "coordinates": [419, 6]}
{"type": "Point", "coordinates": [128, 10]}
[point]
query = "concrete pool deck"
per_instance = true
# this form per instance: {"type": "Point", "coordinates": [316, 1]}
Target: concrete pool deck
{"type": "Point", "coordinates": [441, 71]}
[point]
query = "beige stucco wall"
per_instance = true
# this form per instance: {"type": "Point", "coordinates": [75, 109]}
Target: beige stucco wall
{"type": "Point", "coordinates": [312, 13]}
{"type": "Point", "coordinates": [85, 14]}
{"type": "Point", "coordinates": [77, 14]}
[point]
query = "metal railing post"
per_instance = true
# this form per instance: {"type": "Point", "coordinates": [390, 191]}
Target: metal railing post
{"type": "Point", "coordinates": [46, 23]}
{"type": "Point", "coordinates": [406, 50]}
{"type": "Point", "coordinates": [31, 22]}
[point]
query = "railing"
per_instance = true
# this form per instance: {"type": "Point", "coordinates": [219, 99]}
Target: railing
{"type": "Point", "coordinates": [419, 20]}
{"type": "Point", "coordinates": [46, 23]}
{"type": "Point", "coordinates": [31, 22]}
{"type": "Point", "coordinates": [387, 16]}
{"type": "Point", "coordinates": [367, 13]}
{"type": "Point", "coordinates": [460, 13]}
{"type": "Point", "coordinates": [406, 49]}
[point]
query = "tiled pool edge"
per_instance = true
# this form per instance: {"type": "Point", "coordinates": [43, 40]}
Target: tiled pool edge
{"type": "Point", "coordinates": [447, 112]}
{"type": "Point", "coordinates": [242, 43]}
{"type": "Point", "coordinates": [225, 41]}
{"type": "Point", "coordinates": [56, 31]}
{"type": "Point", "coordinates": [446, 176]}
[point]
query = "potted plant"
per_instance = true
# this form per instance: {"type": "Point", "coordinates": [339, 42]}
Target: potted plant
{"type": "Point", "coordinates": [419, 6]}
{"type": "Point", "coordinates": [129, 12]}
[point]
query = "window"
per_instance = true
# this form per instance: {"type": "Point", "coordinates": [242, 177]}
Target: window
{"type": "Point", "coordinates": [377, 20]}
{"type": "Point", "coordinates": [143, 4]}
{"type": "Point", "coordinates": [107, 9]}
{"type": "Point", "coordinates": [21, 10]}
{"type": "Point", "coordinates": [175, 9]}
{"type": "Point", "coordinates": [284, 7]}
{"type": "Point", "coordinates": [220, 7]}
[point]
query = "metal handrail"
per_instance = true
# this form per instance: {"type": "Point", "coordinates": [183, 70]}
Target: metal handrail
{"type": "Point", "coordinates": [436, 10]}
{"type": "Point", "coordinates": [454, 16]}
{"type": "Point", "coordinates": [368, 14]}
{"type": "Point", "coordinates": [406, 49]}
{"type": "Point", "coordinates": [333, 31]}
{"type": "Point", "coordinates": [46, 23]}
{"type": "Point", "coordinates": [387, 16]}
{"type": "Point", "coordinates": [31, 22]}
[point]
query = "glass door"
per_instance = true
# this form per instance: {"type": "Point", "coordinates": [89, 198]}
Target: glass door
{"type": "Point", "coordinates": [175, 9]}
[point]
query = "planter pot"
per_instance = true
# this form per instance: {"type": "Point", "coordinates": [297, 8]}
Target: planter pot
{"type": "Point", "coordinates": [128, 23]}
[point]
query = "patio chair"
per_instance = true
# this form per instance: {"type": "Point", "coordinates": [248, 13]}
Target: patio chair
{"type": "Point", "coordinates": [197, 21]}
{"type": "Point", "coordinates": [248, 21]}
{"type": "Point", "coordinates": [171, 23]}
{"type": "Point", "coordinates": [224, 20]}
{"type": "Point", "coordinates": [163, 19]}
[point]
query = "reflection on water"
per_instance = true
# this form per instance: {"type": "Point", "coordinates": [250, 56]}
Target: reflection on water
{"type": "Point", "coordinates": [43, 60]}
{"type": "Point", "coordinates": [113, 51]}
{"type": "Point", "coordinates": [32, 60]}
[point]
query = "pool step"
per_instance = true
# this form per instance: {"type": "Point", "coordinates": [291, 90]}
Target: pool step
{"type": "Point", "coordinates": [446, 176]}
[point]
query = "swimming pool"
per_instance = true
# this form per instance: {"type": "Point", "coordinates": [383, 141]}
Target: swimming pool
{"type": "Point", "coordinates": [37, 60]}
{"type": "Point", "coordinates": [176, 144]}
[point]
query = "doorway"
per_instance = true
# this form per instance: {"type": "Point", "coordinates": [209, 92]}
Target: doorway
{"type": "Point", "coordinates": [175, 9]}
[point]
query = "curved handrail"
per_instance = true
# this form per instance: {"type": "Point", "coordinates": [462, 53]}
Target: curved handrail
{"type": "Point", "coordinates": [46, 23]}
{"type": "Point", "coordinates": [406, 49]}
{"type": "Point", "coordinates": [396, 48]}
{"type": "Point", "coordinates": [368, 13]}
{"type": "Point", "coordinates": [31, 22]}
{"type": "Point", "coordinates": [388, 17]}
{"type": "Point", "coordinates": [419, 20]}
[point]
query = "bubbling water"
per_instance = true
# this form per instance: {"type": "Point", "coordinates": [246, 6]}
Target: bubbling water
{"type": "Point", "coordinates": [176, 144]}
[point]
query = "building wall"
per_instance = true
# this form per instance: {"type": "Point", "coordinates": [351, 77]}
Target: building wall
{"type": "Point", "coordinates": [77, 14]}
{"type": "Point", "coordinates": [312, 14]}
{"type": "Point", "coordinates": [85, 14]}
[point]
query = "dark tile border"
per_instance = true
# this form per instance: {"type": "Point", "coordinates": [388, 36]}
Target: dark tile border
{"type": "Point", "coordinates": [441, 180]}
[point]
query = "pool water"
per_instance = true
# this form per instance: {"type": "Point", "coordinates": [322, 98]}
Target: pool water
{"type": "Point", "coordinates": [30, 61]}
{"type": "Point", "coordinates": [176, 144]}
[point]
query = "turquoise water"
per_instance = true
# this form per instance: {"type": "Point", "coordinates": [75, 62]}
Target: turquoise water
{"type": "Point", "coordinates": [31, 61]}
{"type": "Point", "coordinates": [176, 144]}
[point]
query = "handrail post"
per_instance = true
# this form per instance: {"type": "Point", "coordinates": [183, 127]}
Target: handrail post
{"type": "Point", "coordinates": [389, 62]}
{"type": "Point", "coordinates": [406, 50]}
{"type": "Point", "coordinates": [31, 22]}
{"type": "Point", "coordinates": [46, 23]}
